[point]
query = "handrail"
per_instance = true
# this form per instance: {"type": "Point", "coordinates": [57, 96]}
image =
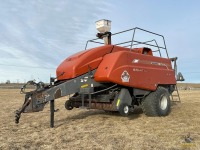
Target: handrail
{"type": "Point", "coordinates": [134, 41]}
{"type": "Point", "coordinates": [138, 42]}
{"type": "Point", "coordinates": [145, 44]}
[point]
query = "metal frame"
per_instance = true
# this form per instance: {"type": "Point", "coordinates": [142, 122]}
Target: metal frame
{"type": "Point", "coordinates": [36, 100]}
{"type": "Point", "coordinates": [133, 42]}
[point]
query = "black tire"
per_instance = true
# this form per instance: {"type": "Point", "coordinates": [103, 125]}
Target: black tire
{"type": "Point", "coordinates": [124, 110]}
{"type": "Point", "coordinates": [68, 105]}
{"type": "Point", "coordinates": [157, 103]}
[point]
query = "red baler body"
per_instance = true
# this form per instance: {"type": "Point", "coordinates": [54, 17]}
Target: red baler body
{"type": "Point", "coordinates": [144, 71]}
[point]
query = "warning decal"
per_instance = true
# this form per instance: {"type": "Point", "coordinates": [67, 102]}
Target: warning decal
{"type": "Point", "coordinates": [125, 76]}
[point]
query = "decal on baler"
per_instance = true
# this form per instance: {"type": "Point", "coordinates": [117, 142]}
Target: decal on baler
{"type": "Point", "coordinates": [125, 76]}
{"type": "Point", "coordinates": [84, 85]}
{"type": "Point", "coordinates": [135, 61]}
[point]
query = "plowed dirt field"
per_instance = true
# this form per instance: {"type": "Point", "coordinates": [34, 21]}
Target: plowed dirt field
{"type": "Point", "coordinates": [96, 129]}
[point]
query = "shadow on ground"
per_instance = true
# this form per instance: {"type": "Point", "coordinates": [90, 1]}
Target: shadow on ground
{"type": "Point", "coordinates": [99, 113]}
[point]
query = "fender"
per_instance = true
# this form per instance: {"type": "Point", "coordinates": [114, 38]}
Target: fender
{"type": "Point", "coordinates": [123, 98]}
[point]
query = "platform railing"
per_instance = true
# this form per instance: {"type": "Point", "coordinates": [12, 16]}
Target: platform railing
{"type": "Point", "coordinates": [134, 42]}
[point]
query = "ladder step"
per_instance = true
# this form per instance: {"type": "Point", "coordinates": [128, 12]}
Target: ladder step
{"type": "Point", "coordinates": [176, 97]}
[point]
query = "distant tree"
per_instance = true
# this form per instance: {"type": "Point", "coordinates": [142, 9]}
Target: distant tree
{"type": "Point", "coordinates": [8, 82]}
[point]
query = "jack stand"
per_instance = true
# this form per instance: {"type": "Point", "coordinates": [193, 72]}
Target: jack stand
{"type": "Point", "coordinates": [52, 113]}
{"type": "Point", "coordinates": [90, 101]}
{"type": "Point", "coordinates": [82, 99]}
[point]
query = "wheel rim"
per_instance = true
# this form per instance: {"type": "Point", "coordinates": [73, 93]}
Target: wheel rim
{"type": "Point", "coordinates": [163, 102]}
{"type": "Point", "coordinates": [126, 109]}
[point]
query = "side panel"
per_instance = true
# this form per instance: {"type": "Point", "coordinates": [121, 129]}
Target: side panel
{"type": "Point", "coordinates": [135, 70]}
{"type": "Point", "coordinates": [81, 62]}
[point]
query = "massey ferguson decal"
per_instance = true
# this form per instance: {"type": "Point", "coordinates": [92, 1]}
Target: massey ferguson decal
{"type": "Point", "coordinates": [125, 76]}
{"type": "Point", "coordinates": [135, 61]}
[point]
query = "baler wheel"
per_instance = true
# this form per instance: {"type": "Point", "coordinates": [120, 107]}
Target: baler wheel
{"type": "Point", "coordinates": [157, 103]}
{"type": "Point", "coordinates": [68, 105]}
{"type": "Point", "coordinates": [124, 110]}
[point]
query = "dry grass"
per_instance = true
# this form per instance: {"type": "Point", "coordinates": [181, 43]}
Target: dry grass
{"type": "Point", "coordinates": [95, 129]}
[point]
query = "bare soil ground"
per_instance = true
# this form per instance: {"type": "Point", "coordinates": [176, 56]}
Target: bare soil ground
{"type": "Point", "coordinates": [95, 129]}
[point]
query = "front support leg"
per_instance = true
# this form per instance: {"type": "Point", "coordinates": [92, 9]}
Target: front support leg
{"type": "Point", "coordinates": [52, 113]}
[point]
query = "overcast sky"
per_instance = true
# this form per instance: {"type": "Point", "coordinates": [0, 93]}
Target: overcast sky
{"type": "Point", "coordinates": [37, 35]}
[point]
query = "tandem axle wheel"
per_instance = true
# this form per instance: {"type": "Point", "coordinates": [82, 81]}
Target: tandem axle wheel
{"type": "Point", "coordinates": [68, 105]}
